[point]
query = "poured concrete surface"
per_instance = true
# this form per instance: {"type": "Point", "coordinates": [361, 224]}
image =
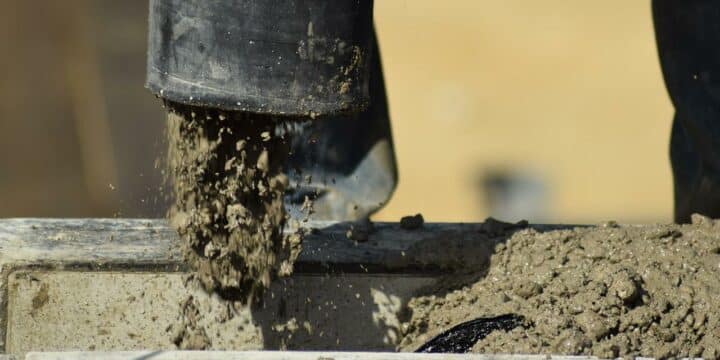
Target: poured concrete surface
{"type": "Point", "coordinates": [67, 310]}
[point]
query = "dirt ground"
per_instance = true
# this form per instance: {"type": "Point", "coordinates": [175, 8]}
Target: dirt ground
{"type": "Point", "coordinates": [606, 291]}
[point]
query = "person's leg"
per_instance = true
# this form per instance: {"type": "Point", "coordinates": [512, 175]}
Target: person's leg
{"type": "Point", "coordinates": [688, 39]}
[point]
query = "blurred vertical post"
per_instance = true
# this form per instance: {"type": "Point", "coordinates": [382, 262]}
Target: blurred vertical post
{"type": "Point", "coordinates": [84, 80]}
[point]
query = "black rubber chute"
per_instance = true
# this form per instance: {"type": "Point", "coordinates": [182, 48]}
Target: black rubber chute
{"type": "Point", "coordinates": [284, 57]}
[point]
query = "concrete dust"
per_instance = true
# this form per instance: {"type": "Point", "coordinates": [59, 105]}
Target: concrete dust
{"type": "Point", "coordinates": [188, 334]}
{"type": "Point", "coordinates": [605, 291]}
{"type": "Point", "coordinates": [226, 172]}
{"type": "Point", "coordinates": [229, 187]}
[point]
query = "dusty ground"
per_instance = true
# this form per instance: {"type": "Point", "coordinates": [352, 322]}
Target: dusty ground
{"type": "Point", "coordinates": [607, 291]}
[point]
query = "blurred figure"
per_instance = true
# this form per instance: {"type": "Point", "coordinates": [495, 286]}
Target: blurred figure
{"type": "Point", "coordinates": [513, 194]}
{"type": "Point", "coordinates": [688, 37]}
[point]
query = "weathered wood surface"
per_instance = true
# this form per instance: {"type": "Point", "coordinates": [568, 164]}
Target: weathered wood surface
{"type": "Point", "coordinates": [144, 242]}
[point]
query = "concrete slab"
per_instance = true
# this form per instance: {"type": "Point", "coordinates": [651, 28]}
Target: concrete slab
{"type": "Point", "coordinates": [115, 284]}
{"type": "Point", "coordinates": [103, 311]}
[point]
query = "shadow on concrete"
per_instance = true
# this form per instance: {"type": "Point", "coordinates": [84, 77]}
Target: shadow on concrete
{"type": "Point", "coordinates": [351, 312]}
{"type": "Point", "coordinates": [364, 310]}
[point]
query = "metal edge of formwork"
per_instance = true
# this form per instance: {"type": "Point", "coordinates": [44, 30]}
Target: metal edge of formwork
{"type": "Point", "coordinates": [292, 355]}
{"type": "Point", "coordinates": [286, 355]}
{"type": "Point", "coordinates": [152, 245]}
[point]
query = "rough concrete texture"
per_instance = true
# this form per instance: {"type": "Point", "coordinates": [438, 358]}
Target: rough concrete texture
{"type": "Point", "coordinates": [112, 311]}
{"type": "Point", "coordinates": [606, 291]}
{"type": "Point", "coordinates": [227, 180]}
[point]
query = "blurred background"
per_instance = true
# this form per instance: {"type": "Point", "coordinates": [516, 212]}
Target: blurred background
{"type": "Point", "coordinates": [554, 111]}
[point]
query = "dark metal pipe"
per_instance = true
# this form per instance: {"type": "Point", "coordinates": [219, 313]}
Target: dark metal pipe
{"type": "Point", "coordinates": [281, 57]}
